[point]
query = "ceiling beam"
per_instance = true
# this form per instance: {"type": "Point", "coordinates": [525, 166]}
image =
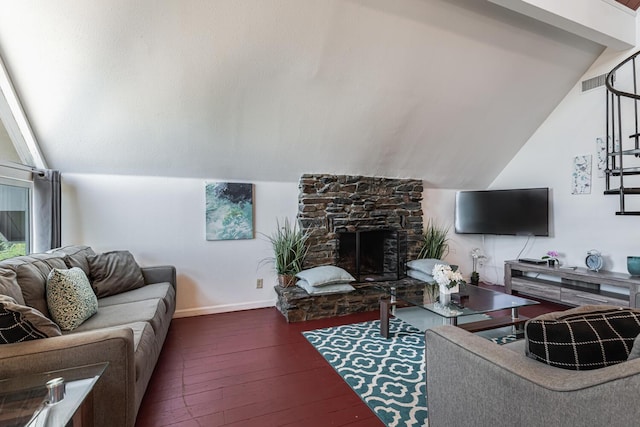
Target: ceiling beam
{"type": "Point", "coordinates": [16, 123]}
{"type": "Point", "coordinates": [602, 21]}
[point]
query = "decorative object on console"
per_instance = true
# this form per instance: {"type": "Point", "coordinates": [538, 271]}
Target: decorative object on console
{"type": "Point", "coordinates": [448, 281]}
{"type": "Point", "coordinates": [633, 265]}
{"type": "Point", "coordinates": [229, 211]}
{"type": "Point", "coordinates": [552, 258]}
{"type": "Point", "coordinates": [434, 241]}
{"type": "Point", "coordinates": [289, 250]}
{"type": "Point", "coordinates": [594, 260]}
{"type": "Point", "coordinates": [477, 256]}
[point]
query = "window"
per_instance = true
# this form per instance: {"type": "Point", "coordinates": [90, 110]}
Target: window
{"type": "Point", "coordinates": [15, 217]}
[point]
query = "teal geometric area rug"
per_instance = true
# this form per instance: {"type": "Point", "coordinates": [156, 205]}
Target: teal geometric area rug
{"type": "Point", "coordinates": [387, 374]}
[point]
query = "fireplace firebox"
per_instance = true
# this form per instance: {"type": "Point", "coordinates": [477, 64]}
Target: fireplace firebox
{"type": "Point", "coordinates": [373, 255]}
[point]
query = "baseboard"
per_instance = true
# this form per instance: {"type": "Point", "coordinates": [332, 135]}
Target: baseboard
{"type": "Point", "coordinates": [227, 308]}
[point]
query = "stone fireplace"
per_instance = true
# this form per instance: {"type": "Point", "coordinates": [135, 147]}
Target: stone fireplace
{"type": "Point", "coordinates": [370, 226]}
{"type": "Point", "coordinates": [339, 210]}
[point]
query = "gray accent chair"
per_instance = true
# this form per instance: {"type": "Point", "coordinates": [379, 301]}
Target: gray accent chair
{"type": "Point", "coordinates": [473, 382]}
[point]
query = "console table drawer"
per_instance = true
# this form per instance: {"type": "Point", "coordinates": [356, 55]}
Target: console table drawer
{"type": "Point", "coordinates": [534, 289]}
{"type": "Point", "coordinates": [574, 297]}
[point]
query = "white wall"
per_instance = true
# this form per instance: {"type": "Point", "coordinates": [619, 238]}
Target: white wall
{"type": "Point", "coordinates": [578, 222]}
{"type": "Point", "coordinates": [162, 221]}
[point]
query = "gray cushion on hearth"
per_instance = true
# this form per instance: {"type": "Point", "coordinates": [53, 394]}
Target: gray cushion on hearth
{"type": "Point", "coordinates": [335, 288]}
{"type": "Point", "coordinates": [325, 275]}
{"type": "Point", "coordinates": [425, 265]}
{"type": "Point", "coordinates": [417, 274]}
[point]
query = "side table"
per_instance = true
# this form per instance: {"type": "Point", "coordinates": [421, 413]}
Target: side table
{"type": "Point", "coordinates": [25, 401]}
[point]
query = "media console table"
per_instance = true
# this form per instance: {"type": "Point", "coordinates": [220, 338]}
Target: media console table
{"type": "Point", "coordinates": [570, 286]}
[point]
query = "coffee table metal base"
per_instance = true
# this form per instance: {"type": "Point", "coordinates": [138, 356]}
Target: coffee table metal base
{"type": "Point", "coordinates": [386, 305]}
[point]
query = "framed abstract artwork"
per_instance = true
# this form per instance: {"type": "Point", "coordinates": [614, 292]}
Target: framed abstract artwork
{"type": "Point", "coordinates": [229, 211]}
{"type": "Point", "coordinates": [581, 175]}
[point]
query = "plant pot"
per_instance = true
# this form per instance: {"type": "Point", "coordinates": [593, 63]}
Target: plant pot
{"type": "Point", "coordinates": [286, 280]}
{"type": "Point", "coordinates": [551, 262]}
{"type": "Point", "coordinates": [475, 278]}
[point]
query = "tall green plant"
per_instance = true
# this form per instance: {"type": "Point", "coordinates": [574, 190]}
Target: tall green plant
{"type": "Point", "coordinates": [289, 248]}
{"type": "Point", "coordinates": [434, 241]}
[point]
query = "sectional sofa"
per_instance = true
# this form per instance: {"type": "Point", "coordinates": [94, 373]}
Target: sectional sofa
{"type": "Point", "coordinates": [134, 310]}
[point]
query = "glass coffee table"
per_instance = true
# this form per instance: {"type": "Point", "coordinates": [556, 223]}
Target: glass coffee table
{"type": "Point", "coordinates": [50, 398]}
{"type": "Point", "coordinates": [468, 310]}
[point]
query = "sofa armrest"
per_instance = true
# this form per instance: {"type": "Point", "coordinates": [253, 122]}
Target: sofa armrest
{"type": "Point", "coordinates": [472, 381]}
{"type": "Point", "coordinates": [159, 274]}
{"type": "Point", "coordinates": [114, 393]}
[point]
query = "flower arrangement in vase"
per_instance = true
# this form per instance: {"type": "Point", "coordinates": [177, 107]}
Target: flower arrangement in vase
{"type": "Point", "coordinates": [552, 258]}
{"type": "Point", "coordinates": [448, 281]}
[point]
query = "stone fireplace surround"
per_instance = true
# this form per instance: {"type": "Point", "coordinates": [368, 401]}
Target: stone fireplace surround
{"type": "Point", "coordinates": [329, 205]}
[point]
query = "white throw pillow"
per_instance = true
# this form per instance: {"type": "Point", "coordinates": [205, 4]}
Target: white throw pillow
{"type": "Point", "coordinates": [416, 274]}
{"type": "Point", "coordinates": [336, 288]}
{"type": "Point", "coordinates": [325, 275]}
{"type": "Point", "coordinates": [425, 265]}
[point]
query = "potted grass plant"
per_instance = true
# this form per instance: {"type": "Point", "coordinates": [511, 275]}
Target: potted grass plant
{"type": "Point", "coordinates": [289, 250]}
{"type": "Point", "coordinates": [434, 245]}
{"type": "Point", "coordinates": [434, 241]}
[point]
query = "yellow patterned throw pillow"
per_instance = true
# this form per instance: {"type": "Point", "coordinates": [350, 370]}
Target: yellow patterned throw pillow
{"type": "Point", "coordinates": [70, 298]}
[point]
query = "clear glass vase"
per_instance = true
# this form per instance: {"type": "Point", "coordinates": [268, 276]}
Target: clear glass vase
{"type": "Point", "coordinates": [445, 298]}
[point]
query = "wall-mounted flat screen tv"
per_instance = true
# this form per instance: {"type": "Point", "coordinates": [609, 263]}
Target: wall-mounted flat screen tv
{"type": "Point", "coordinates": [503, 212]}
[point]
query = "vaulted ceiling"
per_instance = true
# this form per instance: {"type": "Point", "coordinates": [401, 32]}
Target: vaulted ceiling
{"type": "Point", "coordinates": [442, 90]}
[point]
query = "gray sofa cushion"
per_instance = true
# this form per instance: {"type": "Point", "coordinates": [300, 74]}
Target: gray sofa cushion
{"type": "Point", "coordinates": [164, 291]}
{"type": "Point", "coordinates": [74, 256]}
{"type": "Point", "coordinates": [144, 345]}
{"type": "Point", "coordinates": [20, 323]}
{"type": "Point", "coordinates": [9, 285]}
{"type": "Point", "coordinates": [114, 272]}
{"type": "Point", "coordinates": [150, 310]}
{"type": "Point", "coordinates": [31, 273]}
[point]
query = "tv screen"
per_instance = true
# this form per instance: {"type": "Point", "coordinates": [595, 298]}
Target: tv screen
{"type": "Point", "coordinates": [503, 212]}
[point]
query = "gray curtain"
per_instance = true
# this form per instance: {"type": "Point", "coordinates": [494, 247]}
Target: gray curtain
{"type": "Point", "coordinates": [47, 209]}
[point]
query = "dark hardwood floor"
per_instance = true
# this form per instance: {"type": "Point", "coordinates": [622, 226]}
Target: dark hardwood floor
{"type": "Point", "coordinates": [252, 368]}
